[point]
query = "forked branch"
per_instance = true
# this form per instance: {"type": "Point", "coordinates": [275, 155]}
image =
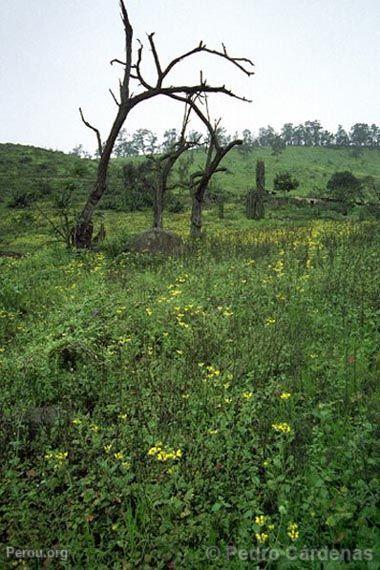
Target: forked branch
{"type": "Point", "coordinates": [96, 131]}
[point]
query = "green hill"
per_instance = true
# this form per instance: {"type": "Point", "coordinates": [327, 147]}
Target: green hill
{"type": "Point", "coordinates": [39, 171]}
{"type": "Point", "coordinates": [311, 166]}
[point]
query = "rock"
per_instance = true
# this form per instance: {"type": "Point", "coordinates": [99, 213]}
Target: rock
{"type": "Point", "coordinates": [157, 241]}
{"type": "Point", "coordinates": [43, 416]}
{"type": "Point", "coordinates": [14, 254]}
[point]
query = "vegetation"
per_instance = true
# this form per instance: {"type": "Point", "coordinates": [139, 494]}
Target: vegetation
{"type": "Point", "coordinates": [160, 406]}
{"type": "Point", "coordinates": [22, 166]}
{"type": "Point", "coordinates": [199, 396]}
{"type": "Point", "coordinates": [154, 407]}
{"type": "Point", "coordinates": [285, 182]}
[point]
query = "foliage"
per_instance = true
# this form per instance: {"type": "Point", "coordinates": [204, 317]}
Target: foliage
{"type": "Point", "coordinates": [138, 185]}
{"type": "Point", "coordinates": [285, 182]}
{"type": "Point", "coordinates": [223, 397]}
{"type": "Point", "coordinates": [344, 187]}
{"type": "Point", "coordinates": [311, 166]}
{"type": "Point", "coordinates": [278, 145]}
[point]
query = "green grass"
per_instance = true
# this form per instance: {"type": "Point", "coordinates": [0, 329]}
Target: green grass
{"type": "Point", "coordinates": [311, 166]}
{"type": "Point", "coordinates": [43, 171]}
{"type": "Point", "coordinates": [251, 361]}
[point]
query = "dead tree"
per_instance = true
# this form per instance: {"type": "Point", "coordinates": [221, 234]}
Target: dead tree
{"type": "Point", "coordinates": [200, 180]}
{"type": "Point", "coordinates": [163, 166]}
{"type": "Point", "coordinates": [128, 100]}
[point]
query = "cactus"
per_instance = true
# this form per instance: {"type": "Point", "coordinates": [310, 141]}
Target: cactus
{"type": "Point", "coordinates": [255, 198]}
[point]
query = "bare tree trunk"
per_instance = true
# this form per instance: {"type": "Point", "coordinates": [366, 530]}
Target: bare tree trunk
{"type": "Point", "coordinates": [158, 208]}
{"type": "Point", "coordinates": [196, 218]}
{"type": "Point", "coordinates": [82, 235]}
{"type": "Point", "coordinates": [196, 221]}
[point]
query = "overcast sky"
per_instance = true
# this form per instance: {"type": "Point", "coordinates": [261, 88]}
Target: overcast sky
{"type": "Point", "coordinates": [314, 59]}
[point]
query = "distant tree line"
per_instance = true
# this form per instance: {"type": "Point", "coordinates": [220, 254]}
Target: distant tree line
{"type": "Point", "coordinates": [312, 133]}
{"type": "Point", "coordinates": [308, 134]}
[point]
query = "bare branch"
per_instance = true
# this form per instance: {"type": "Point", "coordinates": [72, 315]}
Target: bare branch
{"type": "Point", "coordinates": [114, 98]}
{"type": "Point", "coordinates": [118, 61]}
{"type": "Point", "coordinates": [184, 89]}
{"type": "Point", "coordinates": [96, 131]}
{"type": "Point", "coordinates": [156, 58]}
{"type": "Point", "coordinates": [137, 68]}
{"type": "Point", "coordinates": [128, 51]}
{"type": "Point", "coordinates": [237, 61]}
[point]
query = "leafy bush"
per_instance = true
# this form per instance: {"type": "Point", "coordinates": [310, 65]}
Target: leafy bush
{"type": "Point", "coordinates": [174, 204]}
{"type": "Point", "coordinates": [138, 183]}
{"type": "Point", "coordinates": [21, 198]}
{"type": "Point", "coordinates": [344, 187]}
{"type": "Point", "coordinates": [285, 182]}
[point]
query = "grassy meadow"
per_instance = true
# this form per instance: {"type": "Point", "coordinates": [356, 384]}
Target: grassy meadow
{"type": "Point", "coordinates": [165, 412]}
{"type": "Point", "coordinates": [44, 171]}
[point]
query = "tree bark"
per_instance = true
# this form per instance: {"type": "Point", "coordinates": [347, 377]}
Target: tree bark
{"type": "Point", "coordinates": [196, 217]}
{"type": "Point", "coordinates": [83, 231]}
{"type": "Point", "coordinates": [158, 208]}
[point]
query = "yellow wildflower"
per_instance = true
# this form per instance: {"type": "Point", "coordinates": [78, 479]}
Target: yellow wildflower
{"type": "Point", "coordinates": [282, 427]}
{"type": "Point", "coordinates": [293, 531]}
{"type": "Point", "coordinates": [261, 537]}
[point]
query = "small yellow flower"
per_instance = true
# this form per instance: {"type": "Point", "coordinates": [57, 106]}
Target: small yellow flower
{"type": "Point", "coordinates": [260, 520]}
{"type": "Point", "coordinates": [107, 448]}
{"type": "Point", "coordinates": [228, 313]}
{"type": "Point", "coordinates": [270, 321]}
{"type": "Point", "coordinates": [213, 431]}
{"type": "Point", "coordinates": [282, 427]}
{"type": "Point", "coordinates": [176, 292]}
{"type": "Point", "coordinates": [119, 455]}
{"type": "Point", "coordinates": [94, 428]}
{"type": "Point", "coordinates": [149, 311]}
{"type": "Point", "coordinates": [261, 537]}
{"type": "Point", "coordinates": [123, 416]}
{"type": "Point", "coordinates": [126, 464]}
{"type": "Point", "coordinates": [247, 395]}
{"type": "Point", "coordinates": [285, 395]}
{"type": "Point", "coordinates": [76, 422]}
{"type": "Point", "coordinates": [293, 533]}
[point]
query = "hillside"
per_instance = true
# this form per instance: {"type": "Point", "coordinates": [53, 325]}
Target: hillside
{"type": "Point", "coordinates": [162, 405]}
{"type": "Point", "coordinates": [42, 171]}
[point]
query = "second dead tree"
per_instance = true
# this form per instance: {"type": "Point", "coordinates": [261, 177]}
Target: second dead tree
{"type": "Point", "coordinates": [163, 167]}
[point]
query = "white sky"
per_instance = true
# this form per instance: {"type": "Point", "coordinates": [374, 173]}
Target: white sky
{"type": "Point", "coordinates": [315, 59]}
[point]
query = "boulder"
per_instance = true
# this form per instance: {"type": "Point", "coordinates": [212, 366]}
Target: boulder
{"type": "Point", "coordinates": [157, 241]}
